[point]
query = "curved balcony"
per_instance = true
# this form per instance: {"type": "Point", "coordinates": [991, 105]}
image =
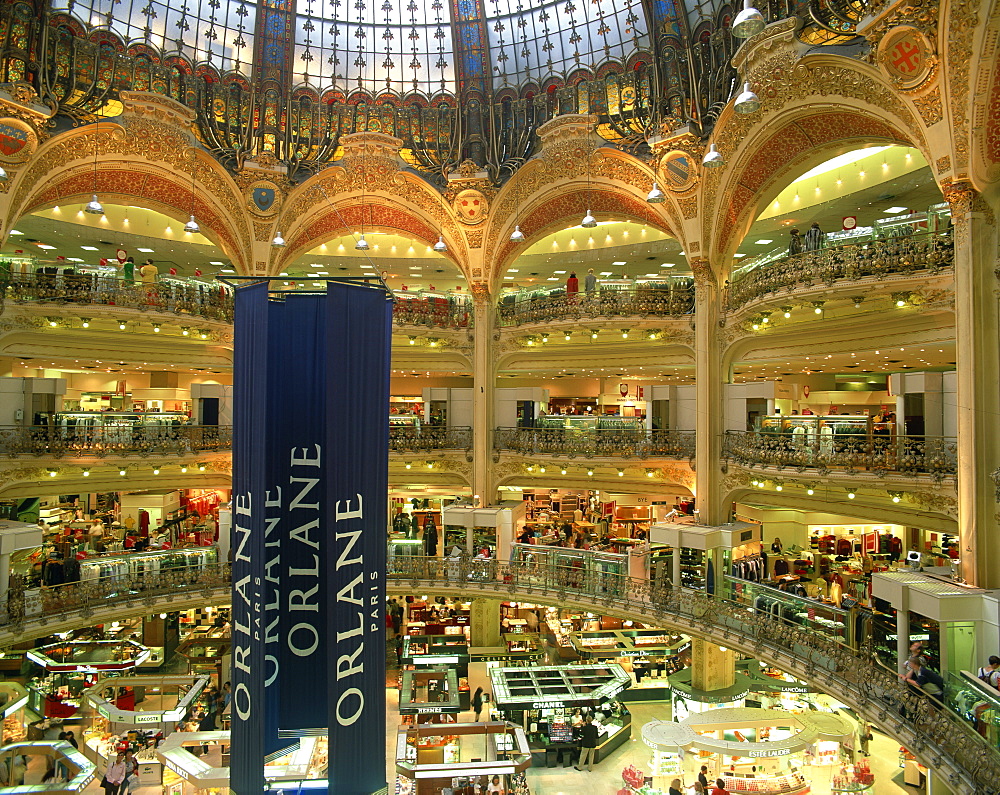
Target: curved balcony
{"type": "Point", "coordinates": [851, 262]}
{"type": "Point", "coordinates": [429, 438]}
{"type": "Point", "coordinates": [595, 443]}
{"type": "Point", "coordinates": [939, 737]}
{"type": "Point", "coordinates": [641, 300]}
{"type": "Point", "coordinates": [179, 296]}
{"type": "Point", "coordinates": [432, 312]}
{"type": "Point", "coordinates": [100, 442]}
{"type": "Point", "coordinates": [936, 456]}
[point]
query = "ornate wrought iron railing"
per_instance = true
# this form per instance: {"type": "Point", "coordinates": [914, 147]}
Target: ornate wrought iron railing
{"type": "Point", "coordinates": [186, 298]}
{"type": "Point", "coordinates": [433, 312]}
{"type": "Point", "coordinates": [605, 303]}
{"type": "Point", "coordinates": [126, 440]}
{"type": "Point", "coordinates": [939, 736]}
{"type": "Point", "coordinates": [855, 262]}
{"type": "Point", "coordinates": [428, 438]}
{"type": "Point", "coordinates": [936, 456]}
{"type": "Point", "coordinates": [596, 443]}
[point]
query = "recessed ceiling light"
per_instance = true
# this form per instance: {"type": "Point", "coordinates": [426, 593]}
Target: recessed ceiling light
{"type": "Point", "coordinates": [89, 248]}
{"type": "Point", "coordinates": [15, 232]}
{"type": "Point", "coordinates": [605, 273]}
{"type": "Point", "coordinates": [46, 246]}
{"type": "Point", "coordinates": [227, 270]}
{"type": "Point", "coordinates": [892, 210]}
{"type": "Point", "coordinates": [763, 242]}
{"type": "Point", "coordinates": [739, 256]}
{"type": "Point", "coordinates": [223, 263]}
{"type": "Point", "coordinates": [145, 250]}
{"type": "Point", "coordinates": [283, 273]}
{"type": "Point", "coordinates": [553, 279]}
{"type": "Point", "coordinates": [559, 273]}
{"type": "Point", "coordinates": [513, 270]}
{"type": "Point", "coordinates": [73, 259]}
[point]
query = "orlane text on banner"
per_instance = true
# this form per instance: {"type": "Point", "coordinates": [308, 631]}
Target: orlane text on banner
{"type": "Point", "coordinates": [310, 478]}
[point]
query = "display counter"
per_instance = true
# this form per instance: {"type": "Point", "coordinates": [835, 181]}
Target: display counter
{"type": "Point", "coordinates": [79, 770]}
{"type": "Point", "coordinates": [651, 655]}
{"type": "Point", "coordinates": [551, 701]}
{"type": "Point", "coordinates": [198, 771]}
{"type": "Point", "coordinates": [13, 700]}
{"type": "Point", "coordinates": [470, 758]}
{"type": "Point", "coordinates": [436, 650]}
{"type": "Point", "coordinates": [433, 691]}
{"type": "Point", "coordinates": [519, 649]}
{"type": "Point", "coordinates": [205, 649]}
{"type": "Point", "coordinates": [173, 696]}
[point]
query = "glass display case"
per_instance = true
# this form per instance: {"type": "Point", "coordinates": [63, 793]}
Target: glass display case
{"type": "Point", "coordinates": [813, 614]}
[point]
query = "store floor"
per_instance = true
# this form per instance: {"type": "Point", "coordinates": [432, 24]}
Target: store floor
{"type": "Point", "coordinates": [606, 779]}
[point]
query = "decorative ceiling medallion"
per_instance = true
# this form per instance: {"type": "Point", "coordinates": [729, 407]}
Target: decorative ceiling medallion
{"type": "Point", "coordinates": [263, 198]}
{"type": "Point", "coordinates": [471, 206]}
{"type": "Point", "coordinates": [17, 140]}
{"type": "Point", "coordinates": [678, 171]}
{"type": "Point", "coordinates": [906, 57]}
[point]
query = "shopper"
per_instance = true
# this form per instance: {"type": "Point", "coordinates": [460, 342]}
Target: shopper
{"type": "Point", "coordinates": [675, 787]}
{"type": "Point", "coordinates": [572, 286]}
{"type": "Point", "coordinates": [703, 777]}
{"type": "Point", "coordinates": [815, 238]}
{"type": "Point", "coordinates": [131, 780]}
{"type": "Point", "coordinates": [495, 787]}
{"type": "Point", "coordinates": [97, 535]}
{"type": "Point", "coordinates": [925, 679]}
{"type": "Point", "coordinates": [720, 787]}
{"type": "Point", "coordinates": [71, 739]}
{"type": "Point", "coordinates": [795, 245]}
{"type": "Point", "coordinates": [114, 776]}
{"type": "Point", "coordinates": [149, 272]}
{"type": "Point", "coordinates": [128, 270]}
{"type": "Point", "coordinates": [477, 703]}
{"type": "Point", "coordinates": [590, 283]}
{"type": "Point", "coordinates": [991, 672]}
{"type": "Point", "coordinates": [916, 652]}
{"type": "Point", "coordinates": [227, 694]}
{"type": "Point", "coordinates": [588, 743]}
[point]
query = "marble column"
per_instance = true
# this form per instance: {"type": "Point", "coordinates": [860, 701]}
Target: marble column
{"type": "Point", "coordinates": [977, 334]}
{"type": "Point", "coordinates": [709, 422]}
{"type": "Point", "coordinates": [484, 616]}
{"type": "Point", "coordinates": [711, 667]}
{"type": "Point", "coordinates": [483, 385]}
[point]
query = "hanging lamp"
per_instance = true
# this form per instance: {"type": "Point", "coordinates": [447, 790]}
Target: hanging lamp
{"type": "Point", "coordinates": [656, 196]}
{"type": "Point", "coordinates": [517, 236]}
{"type": "Point", "coordinates": [713, 158]}
{"type": "Point", "coordinates": [747, 101]}
{"type": "Point", "coordinates": [440, 247]}
{"type": "Point", "coordinates": [749, 22]}
{"type": "Point", "coordinates": [93, 206]}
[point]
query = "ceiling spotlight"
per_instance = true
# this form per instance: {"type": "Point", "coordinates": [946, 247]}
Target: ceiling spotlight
{"type": "Point", "coordinates": [754, 483]}
{"type": "Point", "coordinates": [362, 244]}
{"type": "Point", "coordinates": [747, 102]}
{"type": "Point", "coordinates": [545, 336]}
{"type": "Point", "coordinates": [896, 495]}
{"type": "Point", "coordinates": [588, 222]}
{"type": "Point", "coordinates": [624, 333]}
{"type": "Point", "coordinates": [530, 467]}
{"type": "Point", "coordinates": [779, 487]}
{"type": "Point", "coordinates": [156, 328]}
{"type": "Point", "coordinates": [163, 615]}
{"type": "Point", "coordinates": [810, 491]}
{"type": "Point", "coordinates": [901, 299]}
{"type": "Point", "coordinates": [650, 473]}
{"type": "Point", "coordinates": [93, 206]}
{"type": "Point", "coordinates": [850, 494]}
{"type": "Point", "coordinates": [529, 341]}
{"type": "Point", "coordinates": [517, 236]}
{"type": "Point", "coordinates": [122, 471]}
{"type": "Point", "coordinates": [184, 468]}
{"type": "Point", "coordinates": [749, 22]}
{"type": "Point", "coordinates": [156, 470]}
{"type": "Point", "coordinates": [433, 342]}
{"type": "Point", "coordinates": [440, 247]}
{"type": "Point", "coordinates": [85, 322]}
{"type": "Point", "coordinates": [53, 322]}
{"type": "Point", "coordinates": [655, 196]}
{"type": "Point", "coordinates": [567, 335]}
{"type": "Point", "coordinates": [185, 331]}
{"type": "Point", "coordinates": [562, 471]}
{"type": "Point", "coordinates": [53, 473]}
{"type": "Point", "coordinates": [430, 465]}
{"type": "Point", "coordinates": [278, 241]}
{"type": "Point", "coordinates": [413, 340]}
{"type": "Point", "coordinates": [593, 334]}
{"type": "Point", "coordinates": [201, 467]}
{"type": "Point", "coordinates": [122, 324]}
{"type": "Point", "coordinates": [621, 473]}
{"type": "Point", "coordinates": [765, 317]}
{"type": "Point", "coordinates": [787, 311]}
{"type": "Point", "coordinates": [818, 307]}
{"type": "Point", "coordinates": [857, 301]}
{"type": "Point", "coordinates": [590, 473]}
{"type": "Point", "coordinates": [755, 325]}
{"type": "Point", "coordinates": [713, 158]}
{"type": "Point", "coordinates": [408, 465]}
{"type": "Point", "coordinates": [652, 335]}
{"type": "Point", "coordinates": [203, 334]}
{"type": "Point", "coordinates": [191, 227]}
{"type": "Point", "coordinates": [541, 468]}
{"type": "Point", "coordinates": [86, 473]}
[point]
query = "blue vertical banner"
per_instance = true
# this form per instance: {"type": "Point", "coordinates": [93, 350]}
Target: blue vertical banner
{"type": "Point", "coordinates": [308, 577]}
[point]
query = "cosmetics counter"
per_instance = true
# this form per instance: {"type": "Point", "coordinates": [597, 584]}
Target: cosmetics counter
{"type": "Point", "coordinates": [431, 695]}
{"type": "Point", "coordinates": [686, 700]}
{"type": "Point", "coordinates": [763, 751]}
{"type": "Point", "coordinates": [650, 655]}
{"type": "Point", "coordinates": [549, 702]}
{"type": "Point", "coordinates": [78, 770]}
{"type": "Point", "coordinates": [471, 759]}
{"type": "Point", "coordinates": [72, 666]}
{"type": "Point", "coordinates": [432, 652]}
{"type": "Point", "coordinates": [13, 700]}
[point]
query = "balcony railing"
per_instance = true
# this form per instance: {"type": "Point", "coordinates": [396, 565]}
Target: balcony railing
{"type": "Point", "coordinates": [432, 312]}
{"type": "Point", "coordinates": [936, 456]}
{"type": "Point", "coordinates": [595, 443]}
{"type": "Point", "coordinates": [969, 761]}
{"type": "Point", "coordinates": [428, 438]}
{"type": "Point", "coordinates": [125, 440]}
{"type": "Point", "coordinates": [634, 301]}
{"type": "Point", "coordinates": [892, 256]}
{"type": "Point", "coordinates": [197, 299]}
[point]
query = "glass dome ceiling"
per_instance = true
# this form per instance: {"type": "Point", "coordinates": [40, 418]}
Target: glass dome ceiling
{"type": "Point", "coordinates": [379, 46]}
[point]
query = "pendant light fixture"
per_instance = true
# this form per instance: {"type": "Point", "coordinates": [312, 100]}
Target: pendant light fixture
{"type": "Point", "coordinates": [517, 236]}
{"type": "Point", "coordinates": [749, 22]}
{"type": "Point", "coordinates": [747, 102]}
{"type": "Point", "coordinates": [656, 196]}
{"type": "Point", "coordinates": [713, 158]}
{"type": "Point", "coordinates": [278, 241]}
{"type": "Point", "coordinates": [362, 244]}
{"type": "Point", "coordinates": [191, 227]}
{"type": "Point", "coordinates": [440, 247]}
{"type": "Point", "coordinates": [589, 222]}
{"type": "Point", "coordinates": [93, 206]}
{"type": "Point", "coordinates": [4, 176]}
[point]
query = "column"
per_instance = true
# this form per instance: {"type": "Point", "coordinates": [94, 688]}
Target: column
{"type": "Point", "coordinates": [977, 333]}
{"type": "Point", "coordinates": [483, 385]}
{"type": "Point", "coordinates": [484, 618]}
{"type": "Point", "coordinates": [903, 630]}
{"type": "Point", "coordinates": [709, 422]}
{"type": "Point", "coordinates": [713, 667]}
